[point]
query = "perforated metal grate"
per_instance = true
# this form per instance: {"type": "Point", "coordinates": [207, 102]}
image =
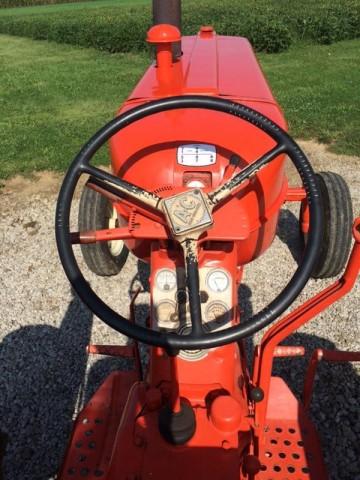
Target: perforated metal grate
{"type": "Point", "coordinates": [90, 447]}
{"type": "Point", "coordinates": [84, 459]}
{"type": "Point", "coordinates": [290, 453]}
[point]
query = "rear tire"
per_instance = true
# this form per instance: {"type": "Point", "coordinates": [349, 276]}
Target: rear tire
{"type": "Point", "coordinates": [96, 213]}
{"type": "Point", "coordinates": [337, 217]}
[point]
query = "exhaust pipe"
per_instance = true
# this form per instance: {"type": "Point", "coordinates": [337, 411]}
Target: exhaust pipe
{"type": "Point", "coordinates": [168, 11]}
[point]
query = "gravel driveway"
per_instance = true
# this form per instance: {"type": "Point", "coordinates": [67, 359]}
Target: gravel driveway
{"type": "Point", "coordinates": [44, 328]}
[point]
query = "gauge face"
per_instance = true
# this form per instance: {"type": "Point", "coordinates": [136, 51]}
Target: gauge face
{"type": "Point", "coordinates": [218, 281]}
{"type": "Point", "coordinates": [165, 280]}
{"type": "Point", "coordinates": [166, 314]}
{"type": "Point", "coordinates": [217, 313]}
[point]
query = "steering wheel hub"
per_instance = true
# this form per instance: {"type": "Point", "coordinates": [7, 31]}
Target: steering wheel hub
{"type": "Point", "coordinates": [187, 212]}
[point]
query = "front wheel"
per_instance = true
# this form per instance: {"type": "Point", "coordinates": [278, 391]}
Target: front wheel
{"type": "Point", "coordinates": [97, 213]}
{"type": "Point", "coordinates": [337, 221]}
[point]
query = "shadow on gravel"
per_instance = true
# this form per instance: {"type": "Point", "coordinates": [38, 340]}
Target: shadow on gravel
{"type": "Point", "coordinates": [41, 371]}
{"type": "Point", "coordinates": [289, 233]}
{"type": "Point", "coordinates": [142, 276]}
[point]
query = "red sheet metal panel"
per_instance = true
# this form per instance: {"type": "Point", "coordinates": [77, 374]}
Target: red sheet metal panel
{"type": "Point", "coordinates": [95, 429]}
{"type": "Point", "coordinates": [217, 64]}
{"type": "Point", "coordinates": [291, 448]}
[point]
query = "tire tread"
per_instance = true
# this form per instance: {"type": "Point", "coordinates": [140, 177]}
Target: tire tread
{"type": "Point", "coordinates": [338, 216]}
{"type": "Point", "coordinates": [92, 216]}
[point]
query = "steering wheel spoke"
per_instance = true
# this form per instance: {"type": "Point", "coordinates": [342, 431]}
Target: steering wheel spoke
{"type": "Point", "coordinates": [122, 188]}
{"type": "Point", "coordinates": [189, 246]}
{"type": "Point", "coordinates": [105, 235]}
{"type": "Point", "coordinates": [230, 187]}
{"type": "Point", "coordinates": [113, 195]}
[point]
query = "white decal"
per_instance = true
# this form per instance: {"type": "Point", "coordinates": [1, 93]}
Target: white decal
{"type": "Point", "coordinates": [196, 155]}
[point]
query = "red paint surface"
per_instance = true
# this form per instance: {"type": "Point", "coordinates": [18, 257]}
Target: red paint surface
{"type": "Point", "coordinates": [145, 152]}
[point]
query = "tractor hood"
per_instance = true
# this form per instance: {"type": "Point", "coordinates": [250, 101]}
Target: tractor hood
{"type": "Point", "coordinates": [211, 65]}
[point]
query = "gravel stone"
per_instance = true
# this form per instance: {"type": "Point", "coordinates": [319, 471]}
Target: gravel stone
{"type": "Point", "coordinates": [46, 375]}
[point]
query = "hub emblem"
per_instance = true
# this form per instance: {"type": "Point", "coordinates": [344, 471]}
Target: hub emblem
{"type": "Point", "coordinates": [187, 212]}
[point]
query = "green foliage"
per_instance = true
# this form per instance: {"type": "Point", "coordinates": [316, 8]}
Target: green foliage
{"type": "Point", "coordinates": [268, 34]}
{"type": "Point", "coordinates": [103, 29]}
{"type": "Point", "coordinates": [67, 7]}
{"type": "Point", "coordinates": [260, 25]}
{"type": "Point", "coordinates": [30, 3]}
{"type": "Point", "coordinates": [271, 26]}
{"type": "Point", "coordinates": [329, 23]}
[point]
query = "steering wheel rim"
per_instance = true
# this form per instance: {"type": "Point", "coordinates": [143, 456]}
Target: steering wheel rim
{"type": "Point", "coordinates": [172, 341]}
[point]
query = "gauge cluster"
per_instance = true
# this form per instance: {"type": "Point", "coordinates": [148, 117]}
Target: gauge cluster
{"type": "Point", "coordinates": [170, 305]}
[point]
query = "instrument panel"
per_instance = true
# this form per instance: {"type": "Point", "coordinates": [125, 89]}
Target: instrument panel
{"type": "Point", "coordinates": [170, 300]}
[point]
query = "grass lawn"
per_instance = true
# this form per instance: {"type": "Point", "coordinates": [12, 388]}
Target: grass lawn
{"type": "Point", "coordinates": [53, 97]}
{"type": "Point", "coordinates": [318, 89]}
{"type": "Point", "coordinates": [68, 7]}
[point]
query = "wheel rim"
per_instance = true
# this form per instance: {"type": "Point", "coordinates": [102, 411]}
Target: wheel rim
{"type": "Point", "coordinates": [115, 246]}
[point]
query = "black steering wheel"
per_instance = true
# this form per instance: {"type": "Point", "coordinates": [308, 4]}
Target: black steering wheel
{"type": "Point", "coordinates": [187, 234]}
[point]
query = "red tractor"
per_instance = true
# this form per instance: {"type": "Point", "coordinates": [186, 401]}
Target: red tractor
{"type": "Point", "coordinates": [197, 182]}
